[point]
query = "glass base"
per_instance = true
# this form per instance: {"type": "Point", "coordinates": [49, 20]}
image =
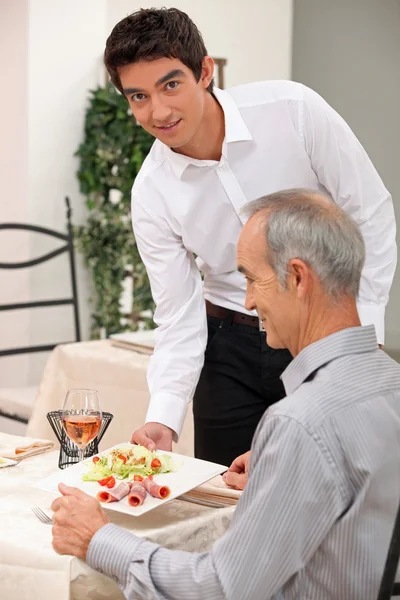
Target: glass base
{"type": "Point", "coordinates": [69, 454]}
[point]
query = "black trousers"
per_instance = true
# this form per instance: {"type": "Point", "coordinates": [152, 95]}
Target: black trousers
{"type": "Point", "coordinates": [239, 380]}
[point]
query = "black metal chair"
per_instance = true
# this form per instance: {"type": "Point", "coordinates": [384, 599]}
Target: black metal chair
{"type": "Point", "coordinates": [73, 300]}
{"type": "Point", "coordinates": [389, 588]}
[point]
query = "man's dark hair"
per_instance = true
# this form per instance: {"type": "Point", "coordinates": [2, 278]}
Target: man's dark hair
{"type": "Point", "coordinates": [148, 34]}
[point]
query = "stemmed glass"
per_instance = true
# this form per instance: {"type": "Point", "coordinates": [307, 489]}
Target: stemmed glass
{"type": "Point", "coordinates": [81, 418]}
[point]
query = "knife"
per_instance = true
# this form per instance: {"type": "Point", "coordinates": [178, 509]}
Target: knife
{"type": "Point", "coordinates": [202, 502]}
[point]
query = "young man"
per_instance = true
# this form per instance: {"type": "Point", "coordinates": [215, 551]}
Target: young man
{"type": "Point", "coordinates": [317, 514]}
{"type": "Point", "coordinates": [215, 151]}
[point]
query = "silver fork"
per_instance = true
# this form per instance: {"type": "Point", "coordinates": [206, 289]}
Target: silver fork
{"type": "Point", "coordinates": [41, 515]}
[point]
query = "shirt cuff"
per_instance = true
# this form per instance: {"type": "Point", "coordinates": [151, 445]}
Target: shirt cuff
{"type": "Point", "coordinates": [373, 314]}
{"type": "Point", "coordinates": [168, 409]}
{"type": "Point", "coordinates": [113, 549]}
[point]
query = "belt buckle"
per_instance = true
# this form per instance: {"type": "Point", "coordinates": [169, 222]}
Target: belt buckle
{"type": "Point", "coordinates": [260, 325]}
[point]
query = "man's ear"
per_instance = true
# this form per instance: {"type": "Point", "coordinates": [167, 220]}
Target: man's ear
{"type": "Point", "coordinates": [207, 71]}
{"type": "Point", "coordinates": [299, 277]}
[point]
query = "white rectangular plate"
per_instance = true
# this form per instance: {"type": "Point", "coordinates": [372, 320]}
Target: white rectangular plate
{"type": "Point", "coordinates": [193, 472]}
{"type": "Point", "coordinates": [7, 462]}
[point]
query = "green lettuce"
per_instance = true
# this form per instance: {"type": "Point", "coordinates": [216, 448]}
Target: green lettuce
{"type": "Point", "coordinates": [110, 464]}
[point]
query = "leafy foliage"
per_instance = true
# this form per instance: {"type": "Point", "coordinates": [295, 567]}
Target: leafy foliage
{"type": "Point", "coordinates": [111, 155]}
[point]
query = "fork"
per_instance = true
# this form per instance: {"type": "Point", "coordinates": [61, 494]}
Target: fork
{"type": "Point", "coordinates": [41, 515]}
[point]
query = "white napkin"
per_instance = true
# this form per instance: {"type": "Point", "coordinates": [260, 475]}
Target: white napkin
{"type": "Point", "coordinates": [216, 490]}
{"type": "Point", "coordinates": [16, 447]}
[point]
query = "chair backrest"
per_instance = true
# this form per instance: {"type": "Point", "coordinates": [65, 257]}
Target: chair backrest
{"type": "Point", "coordinates": [73, 300]}
{"type": "Point", "coordinates": [388, 587]}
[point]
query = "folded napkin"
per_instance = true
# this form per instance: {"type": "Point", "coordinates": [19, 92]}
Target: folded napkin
{"type": "Point", "coordinates": [16, 447]}
{"type": "Point", "coordinates": [216, 490]}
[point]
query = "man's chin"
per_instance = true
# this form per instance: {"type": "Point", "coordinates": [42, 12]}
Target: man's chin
{"type": "Point", "coordinates": [177, 144]}
{"type": "Point", "coordinates": [274, 342]}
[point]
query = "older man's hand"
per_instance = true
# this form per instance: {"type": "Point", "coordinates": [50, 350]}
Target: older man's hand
{"type": "Point", "coordinates": [236, 476]}
{"type": "Point", "coordinates": [76, 519]}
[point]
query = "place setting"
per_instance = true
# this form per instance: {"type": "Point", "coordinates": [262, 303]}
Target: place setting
{"type": "Point", "coordinates": [126, 478]}
{"type": "Point", "coordinates": [154, 495]}
{"type": "Point", "coordinates": [13, 449]}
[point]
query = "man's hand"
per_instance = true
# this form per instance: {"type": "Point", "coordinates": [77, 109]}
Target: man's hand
{"type": "Point", "coordinates": [154, 436]}
{"type": "Point", "coordinates": [236, 476]}
{"type": "Point", "coordinates": [76, 519]}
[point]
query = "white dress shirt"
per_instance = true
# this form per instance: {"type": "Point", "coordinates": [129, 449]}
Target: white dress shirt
{"type": "Point", "coordinates": [278, 135]}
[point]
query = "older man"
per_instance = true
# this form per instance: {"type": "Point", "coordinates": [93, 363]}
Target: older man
{"type": "Point", "coordinates": [324, 479]}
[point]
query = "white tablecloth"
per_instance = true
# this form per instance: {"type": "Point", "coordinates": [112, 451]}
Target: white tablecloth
{"type": "Point", "coordinates": [29, 567]}
{"type": "Point", "coordinates": [119, 376]}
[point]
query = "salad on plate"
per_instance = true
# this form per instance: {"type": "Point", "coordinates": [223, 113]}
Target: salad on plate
{"type": "Point", "coordinates": [134, 466]}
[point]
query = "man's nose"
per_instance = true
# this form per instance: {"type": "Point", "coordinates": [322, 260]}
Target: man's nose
{"type": "Point", "coordinates": [249, 303]}
{"type": "Point", "coordinates": [161, 112]}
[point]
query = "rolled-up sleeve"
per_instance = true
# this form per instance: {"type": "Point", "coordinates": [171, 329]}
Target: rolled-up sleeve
{"type": "Point", "coordinates": [344, 169]}
{"type": "Point", "coordinates": [180, 317]}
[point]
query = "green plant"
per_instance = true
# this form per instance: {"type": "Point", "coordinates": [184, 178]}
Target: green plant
{"type": "Point", "coordinates": [111, 155]}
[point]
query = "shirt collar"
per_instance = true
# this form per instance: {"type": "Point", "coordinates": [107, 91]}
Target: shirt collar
{"type": "Point", "coordinates": [235, 128]}
{"type": "Point", "coordinates": [235, 131]}
{"type": "Point", "coordinates": [353, 340]}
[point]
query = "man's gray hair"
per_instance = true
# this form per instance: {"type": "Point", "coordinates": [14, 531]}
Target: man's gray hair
{"type": "Point", "coordinates": [298, 225]}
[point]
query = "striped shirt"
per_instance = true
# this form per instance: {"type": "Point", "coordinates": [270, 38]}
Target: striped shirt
{"type": "Point", "coordinates": [315, 519]}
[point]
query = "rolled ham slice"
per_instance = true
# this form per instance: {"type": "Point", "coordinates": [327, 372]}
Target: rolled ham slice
{"type": "Point", "coordinates": [115, 494]}
{"type": "Point", "coordinates": [155, 490]}
{"type": "Point", "coordinates": [137, 494]}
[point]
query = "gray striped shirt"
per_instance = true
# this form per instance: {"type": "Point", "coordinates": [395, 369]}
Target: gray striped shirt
{"type": "Point", "coordinates": [315, 520]}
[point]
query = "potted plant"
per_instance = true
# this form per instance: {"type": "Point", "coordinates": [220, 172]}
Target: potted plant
{"type": "Point", "coordinates": [111, 154]}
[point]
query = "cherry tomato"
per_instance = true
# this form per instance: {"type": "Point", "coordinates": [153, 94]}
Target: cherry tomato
{"type": "Point", "coordinates": [122, 457]}
{"type": "Point", "coordinates": [111, 482]}
{"type": "Point", "coordinates": [104, 481]}
{"type": "Point", "coordinates": [96, 459]}
{"type": "Point", "coordinates": [150, 477]}
{"type": "Point", "coordinates": [155, 463]}
{"type": "Point", "coordinates": [137, 478]}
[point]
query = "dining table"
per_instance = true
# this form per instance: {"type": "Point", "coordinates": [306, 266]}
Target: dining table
{"type": "Point", "coordinates": [31, 569]}
{"type": "Point", "coordinates": [120, 377]}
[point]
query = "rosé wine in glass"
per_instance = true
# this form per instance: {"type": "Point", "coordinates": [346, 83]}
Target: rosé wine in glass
{"type": "Point", "coordinates": [81, 417]}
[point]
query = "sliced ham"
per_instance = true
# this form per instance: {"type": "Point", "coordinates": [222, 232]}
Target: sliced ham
{"type": "Point", "coordinates": [115, 494]}
{"type": "Point", "coordinates": [137, 494]}
{"type": "Point", "coordinates": [155, 490]}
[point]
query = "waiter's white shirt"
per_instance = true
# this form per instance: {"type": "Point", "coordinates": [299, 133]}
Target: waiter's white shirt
{"type": "Point", "coordinates": [278, 135]}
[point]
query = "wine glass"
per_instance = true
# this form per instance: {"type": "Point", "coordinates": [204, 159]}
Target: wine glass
{"type": "Point", "coordinates": [81, 417]}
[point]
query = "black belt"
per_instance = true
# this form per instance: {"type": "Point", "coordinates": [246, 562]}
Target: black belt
{"type": "Point", "coordinates": [239, 318]}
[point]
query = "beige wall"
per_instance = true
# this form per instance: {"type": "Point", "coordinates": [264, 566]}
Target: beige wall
{"type": "Point", "coordinates": [349, 51]}
{"type": "Point", "coordinates": [50, 57]}
{"type": "Point", "coordinates": [66, 40]}
{"type": "Point", "coordinates": [14, 327]}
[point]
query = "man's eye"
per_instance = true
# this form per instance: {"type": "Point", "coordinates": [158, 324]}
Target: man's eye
{"type": "Point", "coordinates": [172, 85]}
{"type": "Point", "coordinates": [138, 97]}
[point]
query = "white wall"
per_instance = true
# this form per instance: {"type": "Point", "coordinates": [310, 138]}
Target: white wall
{"type": "Point", "coordinates": [51, 57]}
{"type": "Point", "coordinates": [254, 35]}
